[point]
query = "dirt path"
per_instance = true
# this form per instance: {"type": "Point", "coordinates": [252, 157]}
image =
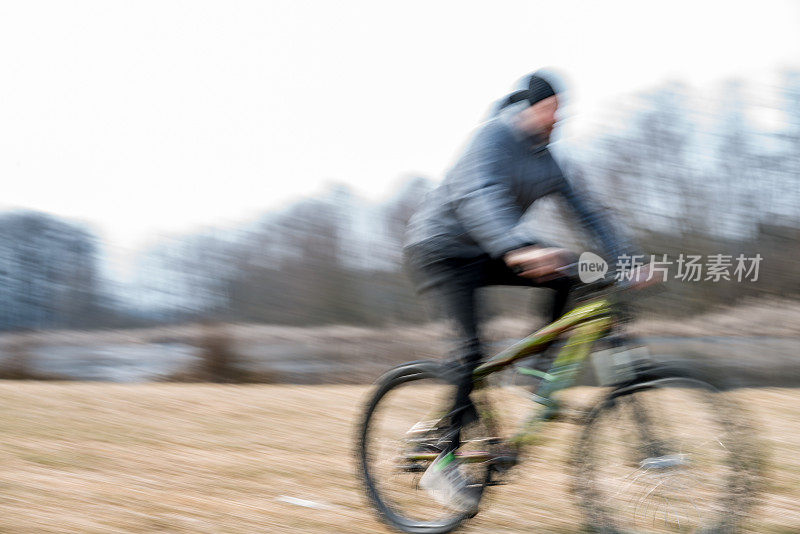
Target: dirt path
{"type": "Point", "coordinates": [108, 458]}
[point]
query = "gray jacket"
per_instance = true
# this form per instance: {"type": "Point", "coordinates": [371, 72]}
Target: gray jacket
{"type": "Point", "coordinates": [476, 210]}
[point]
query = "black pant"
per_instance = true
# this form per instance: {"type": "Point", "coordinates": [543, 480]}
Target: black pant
{"type": "Point", "coordinates": [453, 285]}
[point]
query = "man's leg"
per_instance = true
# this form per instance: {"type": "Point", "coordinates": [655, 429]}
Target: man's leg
{"type": "Point", "coordinates": [457, 298]}
{"type": "Point", "coordinates": [450, 287]}
{"type": "Point", "coordinates": [457, 302]}
{"type": "Point", "coordinates": [499, 274]}
{"type": "Point", "coordinates": [445, 478]}
{"type": "Point", "coordinates": [558, 306]}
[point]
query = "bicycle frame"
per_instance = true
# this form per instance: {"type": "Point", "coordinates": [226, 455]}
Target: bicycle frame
{"type": "Point", "coordinates": [588, 323]}
{"type": "Point", "coordinates": [592, 319]}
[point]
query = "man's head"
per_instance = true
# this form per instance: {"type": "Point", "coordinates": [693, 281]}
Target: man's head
{"type": "Point", "coordinates": [539, 118]}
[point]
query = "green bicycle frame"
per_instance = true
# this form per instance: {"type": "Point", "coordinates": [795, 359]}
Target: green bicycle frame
{"type": "Point", "coordinates": [587, 323]}
{"type": "Point", "coordinates": [590, 321]}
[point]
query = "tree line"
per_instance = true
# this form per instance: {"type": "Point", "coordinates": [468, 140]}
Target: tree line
{"type": "Point", "coordinates": [681, 173]}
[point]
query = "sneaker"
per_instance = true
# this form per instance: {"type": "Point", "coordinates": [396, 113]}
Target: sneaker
{"type": "Point", "coordinates": [445, 481]}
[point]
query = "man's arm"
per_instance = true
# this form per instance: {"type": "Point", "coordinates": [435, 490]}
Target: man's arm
{"type": "Point", "coordinates": [594, 219]}
{"type": "Point", "coordinates": [484, 201]}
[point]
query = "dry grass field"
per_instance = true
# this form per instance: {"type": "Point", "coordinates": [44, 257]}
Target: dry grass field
{"type": "Point", "coordinates": [101, 458]}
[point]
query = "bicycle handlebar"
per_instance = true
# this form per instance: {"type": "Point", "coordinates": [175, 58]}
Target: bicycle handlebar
{"type": "Point", "coordinates": [606, 281]}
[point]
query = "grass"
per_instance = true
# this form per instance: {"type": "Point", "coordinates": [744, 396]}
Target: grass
{"type": "Point", "coordinates": [203, 458]}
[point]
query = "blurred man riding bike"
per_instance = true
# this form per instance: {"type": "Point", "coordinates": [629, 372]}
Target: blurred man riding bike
{"type": "Point", "coordinates": [468, 234]}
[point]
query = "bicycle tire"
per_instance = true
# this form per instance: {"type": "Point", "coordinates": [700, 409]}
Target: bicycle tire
{"type": "Point", "coordinates": [648, 428]}
{"type": "Point", "coordinates": [388, 512]}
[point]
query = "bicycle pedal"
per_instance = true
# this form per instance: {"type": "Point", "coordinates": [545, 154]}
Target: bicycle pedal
{"type": "Point", "coordinates": [411, 468]}
{"type": "Point", "coordinates": [423, 431]}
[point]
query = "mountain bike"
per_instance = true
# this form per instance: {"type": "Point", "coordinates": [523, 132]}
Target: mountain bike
{"type": "Point", "coordinates": [662, 451]}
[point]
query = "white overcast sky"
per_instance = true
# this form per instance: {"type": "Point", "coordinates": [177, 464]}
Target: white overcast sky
{"type": "Point", "coordinates": [141, 117]}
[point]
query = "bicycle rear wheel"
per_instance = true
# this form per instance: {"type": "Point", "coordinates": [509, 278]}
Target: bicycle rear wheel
{"type": "Point", "coordinates": [666, 454]}
{"type": "Point", "coordinates": [399, 435]}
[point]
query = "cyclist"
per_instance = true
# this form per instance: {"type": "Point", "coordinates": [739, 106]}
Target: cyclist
{"type": "Point", "coordinates": [468, 234]}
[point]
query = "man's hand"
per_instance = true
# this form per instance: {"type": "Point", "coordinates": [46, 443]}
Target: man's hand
{"type": "Point", "coordinates": [540, 264]}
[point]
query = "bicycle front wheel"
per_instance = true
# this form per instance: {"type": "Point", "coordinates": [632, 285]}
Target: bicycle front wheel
{"type": "Point", "coordinates": [666, 454]}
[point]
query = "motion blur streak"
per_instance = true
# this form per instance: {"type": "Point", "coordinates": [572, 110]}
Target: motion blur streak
{"type": "Point", "coordinates": [316, 293]}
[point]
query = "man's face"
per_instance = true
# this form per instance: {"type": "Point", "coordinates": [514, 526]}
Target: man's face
{"type": "Point", "coordinates": [540, 118]}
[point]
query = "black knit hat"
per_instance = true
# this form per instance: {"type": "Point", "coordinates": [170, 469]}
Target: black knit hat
{"type": "Point", "coordinates": [536, 89]}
